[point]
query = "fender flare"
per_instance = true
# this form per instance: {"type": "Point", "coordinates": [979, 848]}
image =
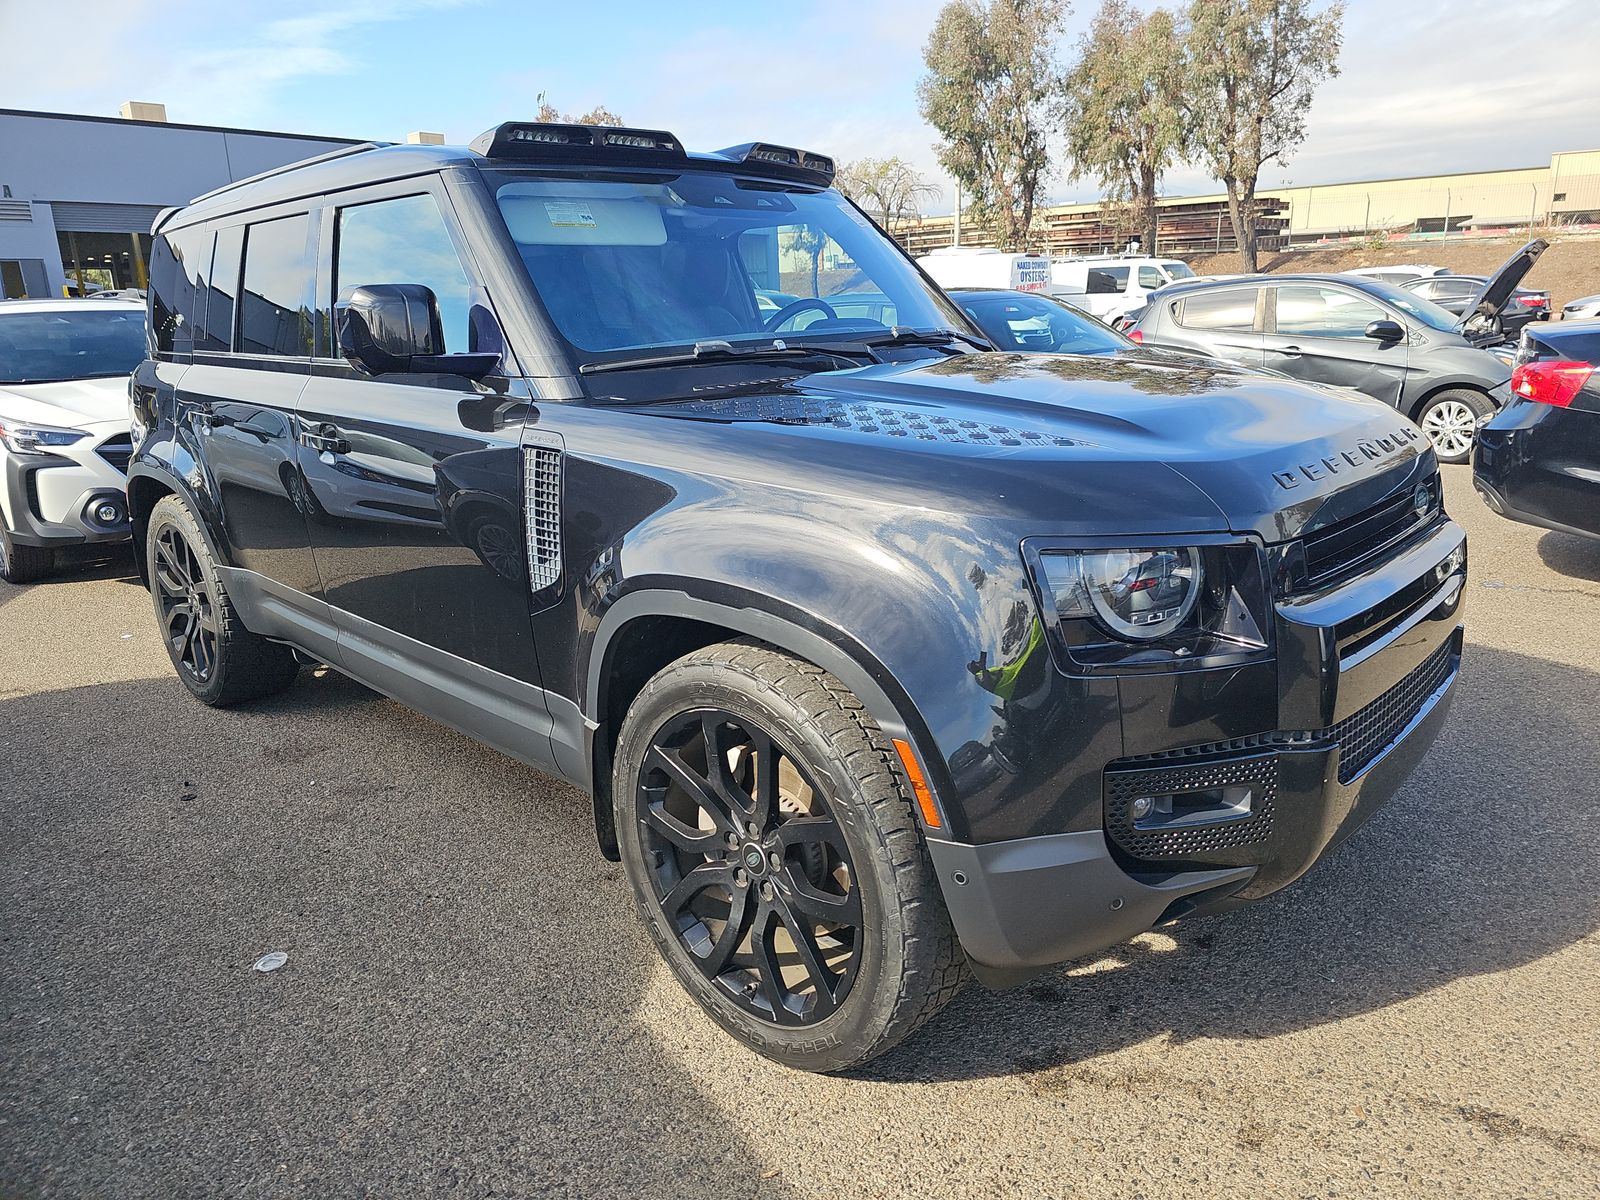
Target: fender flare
{"type": "Point", "coordinates": [871, 682]}
{"type": "Point", "coordinates": [175, 484]}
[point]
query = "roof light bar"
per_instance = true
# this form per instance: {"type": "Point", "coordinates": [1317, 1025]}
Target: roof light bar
{"type": "Point", "coordinates": [797, 164]}
{"type": "Point", "coordinates": [575, 143]}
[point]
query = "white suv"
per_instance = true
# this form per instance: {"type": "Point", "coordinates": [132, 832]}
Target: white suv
{"type": "Point", "coordinates": [64, 443]}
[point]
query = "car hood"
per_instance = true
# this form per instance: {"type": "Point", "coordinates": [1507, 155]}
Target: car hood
{"type": "Point", "coordinates": [70, 403]}
{"type": "Point", "coordinates": [1274, 456]}
{"type": "Point", "coordinates": [1498, 288]}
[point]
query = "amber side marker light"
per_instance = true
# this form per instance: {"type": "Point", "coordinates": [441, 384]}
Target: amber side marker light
{"type": "Point", "coordinates": [919, 784]}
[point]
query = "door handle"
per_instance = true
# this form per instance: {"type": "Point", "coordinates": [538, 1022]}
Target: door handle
{"type": "Point", "coordinates": [324, 438]}
{"type": "Point", "coordinates": [1291, 350]}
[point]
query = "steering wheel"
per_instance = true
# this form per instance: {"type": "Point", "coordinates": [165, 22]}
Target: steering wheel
{"type": "Point", "coordinates": [794, 309]}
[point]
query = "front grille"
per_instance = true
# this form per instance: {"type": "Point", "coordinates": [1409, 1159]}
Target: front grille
{"type": "Point", "coordinates": [116, 450]}
{"type": "Point", "coordinates": [1365, 735]}
{"type": "Point", "coordinates": [1210, 842]}
{"type": "Point", "coordinates": [1336, 548]}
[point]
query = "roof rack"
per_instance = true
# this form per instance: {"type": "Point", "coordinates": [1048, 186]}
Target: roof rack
{"type": "Point", "coordinates": [346, 152]}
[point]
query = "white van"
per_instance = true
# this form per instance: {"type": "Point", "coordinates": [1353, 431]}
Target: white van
{"type": "Point", "coordinates": [1110, 286]}
{"type": "Point", "coordinates": [985, 267]}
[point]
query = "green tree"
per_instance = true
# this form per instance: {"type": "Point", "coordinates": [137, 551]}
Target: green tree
{"type": "Point", "coordinates": [888, 188]}
{"type": "Point", "coordinates": [1123, 109]}
{"type": "Point", "coordinates": [1251, 68]}
{"type": "Point", "coordinates": [992, 76]}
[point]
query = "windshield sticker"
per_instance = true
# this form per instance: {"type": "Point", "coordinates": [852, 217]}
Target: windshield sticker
{"type": "Point", "coordinates": [569, 214]}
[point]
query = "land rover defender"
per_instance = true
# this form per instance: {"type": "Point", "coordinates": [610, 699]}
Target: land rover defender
{"type": "Point", "coordinates": [887, 658]}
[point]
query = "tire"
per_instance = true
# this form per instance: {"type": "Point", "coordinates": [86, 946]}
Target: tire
{"type": "Point", "coordinates": [217, 658]}
{"type": "Point", "coordinates": [846, 871]}
{"type": "Point", "coordinates": [23, 564]}
{"type": "Point", "coordinates": [1450, 420]}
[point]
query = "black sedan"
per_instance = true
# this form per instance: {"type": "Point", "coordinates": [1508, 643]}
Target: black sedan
{"type": "Point", "coordinates": [1538, 460]}
{"type": "Point", "coordinates": [1456, 293]}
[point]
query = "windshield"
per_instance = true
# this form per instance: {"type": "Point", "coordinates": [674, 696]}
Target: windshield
{"type": "Point", "coordinates": [46, 347]}
{"type": "Point", "coordinates": [1039, 324]}
{"type": "Point", "coordinates": [1178, 270]}
{"type": "Point", "coordinates": [1426, 311]}
{"type": "Point", "coordinates": [634, 266]}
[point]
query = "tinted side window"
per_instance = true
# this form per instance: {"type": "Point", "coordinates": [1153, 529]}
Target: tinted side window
{"type": "Point", "coordinates": [1106, 280]}
{"type": "Point", "coordinates": [275, 306]}
{"type": "Point", "coordinates": [405, 241]}
{"type": "Point", "coordinates": [178, 264]}
{"type": "Point", "coordinates": [1325, 312]}
{"type": "Point", "coordinates": [221, 289]}
{"type": "Point", "coordinates": [1234, 309]}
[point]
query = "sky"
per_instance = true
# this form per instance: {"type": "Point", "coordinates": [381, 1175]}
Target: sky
{"type": "Point", "coordinates": [1426, 86]}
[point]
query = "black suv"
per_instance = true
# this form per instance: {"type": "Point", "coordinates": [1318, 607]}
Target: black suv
{"type": "Point", "coordinates": [885, 658]}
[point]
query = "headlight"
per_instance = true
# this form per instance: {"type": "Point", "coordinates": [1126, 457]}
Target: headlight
{"type": "Point", "coordinates": [1150, 607]}
{"type": "Point", "coordinates": [35, 439]}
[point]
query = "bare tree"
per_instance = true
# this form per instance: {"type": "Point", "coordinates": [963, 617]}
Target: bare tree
{"type": "Point", "coordinates": [1251, 68]}
{"type": "Point", "coordinates": [888, 188]}
{"type": "Point", "coordinates": [1122, 106]}
{"type": "Point", "coordinates": [992, 74]}
{"type": "Point", "coordinates": [598, 115]}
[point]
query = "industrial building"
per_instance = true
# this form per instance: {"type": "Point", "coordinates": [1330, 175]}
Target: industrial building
{"type": "Point", "coordinates": [78, 194]}
{"type": "Point", "coordinates": [1565, 194]}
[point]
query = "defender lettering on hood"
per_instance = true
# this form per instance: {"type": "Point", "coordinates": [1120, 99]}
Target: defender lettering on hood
{"type": "Point", "coordinates": [1366, 452]}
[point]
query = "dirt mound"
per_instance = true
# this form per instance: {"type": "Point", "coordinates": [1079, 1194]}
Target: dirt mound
{"type": "Point", "coordinates": [1568, 269]}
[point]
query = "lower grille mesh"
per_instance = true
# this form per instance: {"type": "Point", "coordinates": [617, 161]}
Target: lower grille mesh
{"type": "Point", "coordinates": [1364, 735]}
{"type": "Point", "coordinates": [1259, 773]}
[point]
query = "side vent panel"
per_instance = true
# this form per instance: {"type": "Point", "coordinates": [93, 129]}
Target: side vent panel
{"type": "Point", "coordinates": [541, 475]}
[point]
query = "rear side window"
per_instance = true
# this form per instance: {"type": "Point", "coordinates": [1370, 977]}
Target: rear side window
{"type": "Point", "coordinates": [1106, 281]}
{"type": "Point", "coordinates": [1234, 309]}
{"type": "Point", "coordinates": [405, 241]}
{"type": "Point", "coordinates": [275, 305]}
{"type": "Point", "coordinates": [177, 265]}
{"type": "Point", "coordinates": [221, 277]}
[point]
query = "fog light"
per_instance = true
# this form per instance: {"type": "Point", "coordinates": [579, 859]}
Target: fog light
{"type": "Point", "coordinates": [1142, 807]}
{"type": "Point", "coordinates": [1452, 564]}
{"type": "Point", "coordinates": [107, 513]}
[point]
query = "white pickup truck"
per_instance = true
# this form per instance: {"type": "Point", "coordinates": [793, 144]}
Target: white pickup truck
{"type": "Point", "coordinates": [1111, 286]}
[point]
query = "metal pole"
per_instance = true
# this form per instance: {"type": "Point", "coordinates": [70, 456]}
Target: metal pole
{"type": "Point", "coordinates": [1447, 212]}
{"type": "Point", "coordinates": [956, 233]}
{"type": "Point", "coordinates": [1533, 208]}
{"type": "Point", "coordinates": [1366, 221]}
{"type": "Point", "coordinates": [1219, 231]}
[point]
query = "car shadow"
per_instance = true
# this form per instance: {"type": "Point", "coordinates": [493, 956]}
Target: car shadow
{"type": "Point", "coordinates": [459, 1010]}
{"type": "Point", "coordinates": [1482, 863]}
{"type": "Point", "coordinates": [1570, 555]}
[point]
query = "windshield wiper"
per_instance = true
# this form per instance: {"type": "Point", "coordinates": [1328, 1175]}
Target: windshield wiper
{"type": "Point", "coordinates": [722, 352]}
{"type": "Point", "coordinates": [902, 336]}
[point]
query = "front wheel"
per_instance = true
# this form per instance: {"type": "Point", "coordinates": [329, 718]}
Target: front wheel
{"type": "Point", "coordinates": [1451, 420]}
{"type": "Point", "coordinates": [776, 860]}
{"type": "Point", "coordinates": [22, 564]}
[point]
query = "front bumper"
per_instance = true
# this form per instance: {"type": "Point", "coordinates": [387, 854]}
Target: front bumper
{"type": "Point", "coordinates": [54, 500]}
{"type": "Point", "coordinates": [1373, 709]}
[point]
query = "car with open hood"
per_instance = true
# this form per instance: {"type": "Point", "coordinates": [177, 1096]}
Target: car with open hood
{"type": "Point", "coordinates": [64, 444]}
{"type": "Point", "coordinates": [886, 658]}
{"type": "Point", "coordinates": [1447, 372]}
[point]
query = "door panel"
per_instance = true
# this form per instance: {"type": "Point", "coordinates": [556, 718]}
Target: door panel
{"type": "Point", "coordinates": [242, 418]}
{"type": "Point", "coordinates": [1319, 335]}
{"type": "Point", "coordinates": [415, 501]}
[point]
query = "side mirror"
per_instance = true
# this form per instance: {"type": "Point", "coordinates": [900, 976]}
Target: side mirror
{"type": "Point", "coordinates": [394, 329]}
{"type": "Point", "coordinates": [1385, 331]}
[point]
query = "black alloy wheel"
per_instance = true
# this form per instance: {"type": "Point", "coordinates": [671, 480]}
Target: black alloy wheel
{"type": "Point", "coordinates": [749, 866]}
{"type": "Point", "coordinates": [185, 606]}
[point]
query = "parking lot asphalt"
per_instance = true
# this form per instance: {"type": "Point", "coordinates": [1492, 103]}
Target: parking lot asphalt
{"type": "Point", "coordinates": [470, 1008]}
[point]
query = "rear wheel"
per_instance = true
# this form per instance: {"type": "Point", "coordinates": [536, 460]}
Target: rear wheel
{"type": "Point", "coordinates": [22, 564]}
{"type": "Point", "coordinates": [219, 660]}
{"type": "Point", "coordinates": [1450, 420]}
{"type": "Point", "coordinates": [776, 860]}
